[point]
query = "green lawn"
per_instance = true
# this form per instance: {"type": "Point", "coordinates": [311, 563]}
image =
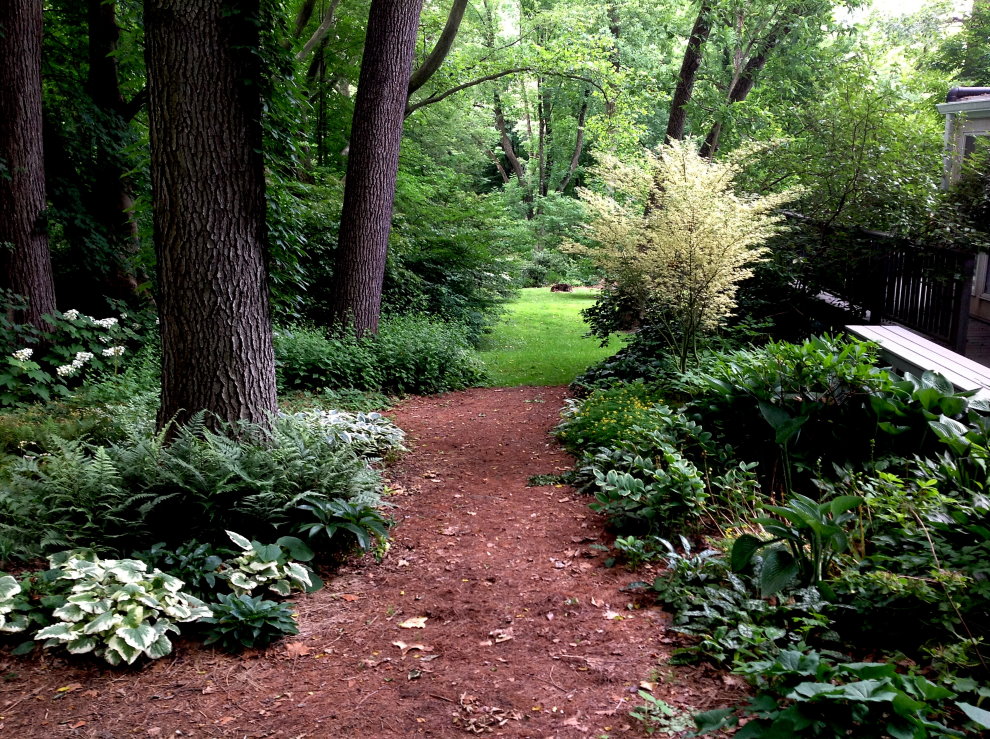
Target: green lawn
{"type": "Point", "coordinates": [541, 339]}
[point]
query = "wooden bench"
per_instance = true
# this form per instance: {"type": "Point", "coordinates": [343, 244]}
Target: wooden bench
{"type": "Point", "coordinates": [910, 352]}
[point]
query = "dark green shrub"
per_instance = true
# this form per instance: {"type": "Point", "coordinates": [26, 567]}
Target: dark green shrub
{"type": "Point", "coordinates": [197, 565]}
{"type": "Point", "coordinates": [808, 694]}
{"type": "Point", "coordinates": [308, 359]}
{"type": "Point", "coordinates": [328, 517]}
{"type": "Point", "coordinates": [419, 355]}
{"type": "Point", "coordinates": [248, 622]}
{"type": "Point", "coordinates": [410, 354]}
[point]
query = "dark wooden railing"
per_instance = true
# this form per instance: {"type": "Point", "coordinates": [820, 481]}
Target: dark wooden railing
{"type": "Point", "coordinates": [881, 277]}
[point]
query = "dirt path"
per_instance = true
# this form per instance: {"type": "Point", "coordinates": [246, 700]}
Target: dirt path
{"type": "Point", "coordinates": [526, 633]}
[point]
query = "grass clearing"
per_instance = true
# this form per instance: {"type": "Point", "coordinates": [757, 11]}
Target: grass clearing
{"type": "Point", "coordinates": [541, 339]}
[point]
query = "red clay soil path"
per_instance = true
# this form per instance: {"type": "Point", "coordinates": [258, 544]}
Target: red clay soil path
{"type": "Point", "coordinates": [524, 632]}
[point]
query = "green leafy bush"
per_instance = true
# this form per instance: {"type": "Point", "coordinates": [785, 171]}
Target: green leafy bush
{"type": "Point", "coordinates": [328, 517]}
{"type": "Point", "coordinates": [241, 621]}
{"type": "Point", "coordinates": [118, 610]}
{"type": "Point", "coordinates": [813, 534]}
{"type": "Point", "coordinates": [197, 565]}
{"type": "Point", "coordinates": [725, 616]}
{"type": "Point", "coordinates": [130, 494]}
{"type": "Point", "coordinates": [802, 693]}
{"type": "Point", "coordinates": [410, 354]}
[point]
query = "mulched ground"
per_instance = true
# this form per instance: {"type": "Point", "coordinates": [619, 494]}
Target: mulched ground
{"type": "Point", "coordinates": [524, 631]}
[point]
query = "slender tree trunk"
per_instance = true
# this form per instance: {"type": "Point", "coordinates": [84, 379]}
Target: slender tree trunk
{"type": "Point", "coordinates": [25, 262]}
{"type": "Point", "coordinates": [578, 142]}
{"type": "Point", "coordinates": [372, 164]}
{"type": "Point", "coordinates": [689, 72]}
{"type": "Point", "coordinates": [320, 34]}
{"type": "Point", "coordinates": [208, 187]}
{"type": "Point", "coordinates": [743, 85]}
{"type": "Point", "coordinates": [110, 200]}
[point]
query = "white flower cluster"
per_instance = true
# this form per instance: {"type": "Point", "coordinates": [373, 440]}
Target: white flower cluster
{"type": "Point", "coordinates": [67, 370]}
{"type": "Point", "coordinates": [113, 351]}
{"type": "Point", "coordinates": [72, 314]}
{"type": "Point", "coordinates": [105, 322]}
{"type": "Point", "coordinates": [23, 354]}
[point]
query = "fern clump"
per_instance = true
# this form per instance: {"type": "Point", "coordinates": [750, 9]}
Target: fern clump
{"type": "Point", "coordinates": [129, 494]}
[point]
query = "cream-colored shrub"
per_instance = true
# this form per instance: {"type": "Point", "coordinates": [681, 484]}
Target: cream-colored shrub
{"type": "Point", "coordinates": [673, 231]}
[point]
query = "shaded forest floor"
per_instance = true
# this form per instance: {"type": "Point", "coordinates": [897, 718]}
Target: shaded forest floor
{"type": "Point", "coordinates": [524, 631]}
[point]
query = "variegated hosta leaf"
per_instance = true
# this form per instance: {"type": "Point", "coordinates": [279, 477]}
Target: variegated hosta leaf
{"type": "Point", "coordinates": [83, 645]}
{"type": "Point", "coordinates": [17, 622]}
{"type": "Point", "coordinates": [70, 612]}
{"type": "Point", "coordinates": [281, 587]}
{"type": "Point", "coordinates": [140, 637]}
{"type": "Point", "coordinates": [60, 631]}
{"type": "Point", "coordinates": [239, 540]}
{"type": "Point", "coordinates": [104, 622]}
{"type": "Point", "coordinates": [298, 573]}
{"type": "Point", "coordinates": [119, 646]}
{"type": "Point", "coordinates": [8, 589]}
{"type": "Point", "coordinates": [159, 648]}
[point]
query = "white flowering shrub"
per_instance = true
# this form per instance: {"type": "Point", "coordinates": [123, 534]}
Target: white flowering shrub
{"type": "Point", "coordinates": [674, 232]}
{"type": "Point", "coordinates": [74, 345]}
{"type": "Point", "coordinates": [118, 610]}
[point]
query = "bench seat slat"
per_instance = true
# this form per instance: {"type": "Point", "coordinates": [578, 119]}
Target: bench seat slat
{"type": "Point", "coordinates": [907, 350]}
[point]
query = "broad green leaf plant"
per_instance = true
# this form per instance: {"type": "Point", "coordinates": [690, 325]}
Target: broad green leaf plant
{"type": "Point", "coordinates": [117, 609]}
{"type": "Point", "coordinates": [274, 566]}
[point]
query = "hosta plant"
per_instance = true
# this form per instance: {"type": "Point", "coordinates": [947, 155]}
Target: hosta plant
{"type": "Point", "coordinates": [332, 515]}
{"type": "Point", "coordinates": [9, 589]}
{"type": "Point", "coordinates": [117, 609]}
{"type": "Point", "coordinates": [248, 622]}
{"type": "Point", "coordinates": [274, 566]}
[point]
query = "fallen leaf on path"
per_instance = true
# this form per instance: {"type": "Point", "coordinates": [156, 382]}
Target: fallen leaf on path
{"type": "Point", "coordinates": [349, 597]}
{"type": "Point", "coordinates": [575, 722]}
{"type": "Point", "coordinates": [69, 688]}
{"type": "Point", "coordinates": [409, 647]}
{"type": "Point", "coordinates": [647, 685]}
{"type": "Point", "coordinates": [500, 635]}
{"type": "Point", "coordinates": [419, 622]}
{"type": "Point", "coordinates": [297, 649]}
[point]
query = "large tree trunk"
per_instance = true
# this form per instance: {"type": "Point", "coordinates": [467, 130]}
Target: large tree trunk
{"type": "Point", "coordinates": [25, 262]}
{"type": "Point", "coordinates": [208, 187]}
{"type": "Point", "coordinates": [372, 164]}
{"type": "Point", "coordinates": [689, 72]}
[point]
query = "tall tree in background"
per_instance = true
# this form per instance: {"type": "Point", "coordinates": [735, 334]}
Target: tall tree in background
{"type": "Point", "coordinates": [376, 133]}
{"type": "Point", "coordinates": [208, 186]}
{"type": "Point", "coordinates": [693, 55]}
{"type": "Point", "coordinates": [25, 262]}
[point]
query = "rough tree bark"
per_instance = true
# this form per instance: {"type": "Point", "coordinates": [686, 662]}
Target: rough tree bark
{"type": "Point", "coordinates": [208, 191]}
{"type": "Point", "coordinates": [372, 164]}
{"type": "Point", "coordinates": [689, 72]}
{"type": "Point", "coordinates": [25, 262]}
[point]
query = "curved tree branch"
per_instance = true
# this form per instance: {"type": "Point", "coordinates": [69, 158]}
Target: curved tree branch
{"type": "Point", "coordinates": [438, 96]}
{"type": "Point", "coordinates": [442, 48]}
{"type": "Point", "coordinates": [320, 33]}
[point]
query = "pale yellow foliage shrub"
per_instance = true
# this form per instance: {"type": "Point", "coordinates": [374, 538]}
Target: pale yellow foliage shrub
{"type": "Point", "coordinates": [675, 233]}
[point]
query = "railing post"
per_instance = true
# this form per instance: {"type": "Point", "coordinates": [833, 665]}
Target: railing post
{"type": "Point", "coordinates": [964, 288]}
